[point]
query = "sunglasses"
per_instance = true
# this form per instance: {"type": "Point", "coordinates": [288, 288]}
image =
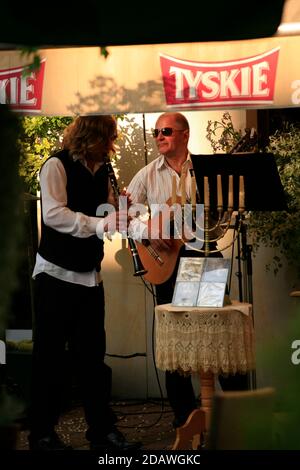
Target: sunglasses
{"type": "Point", "coordinates": [166, 131]}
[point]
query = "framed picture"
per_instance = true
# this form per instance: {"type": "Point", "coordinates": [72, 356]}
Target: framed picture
{"type": "Point", "coordinates": [201, 282]}
{"type": "Point", "coordinates": [211, 294]}
{"type": "Point", "coordinates": [216, 270]}
{"type": "Point", "coordinates": [185, 293]}
{"type": "Point", "coordinates": [190, 269]}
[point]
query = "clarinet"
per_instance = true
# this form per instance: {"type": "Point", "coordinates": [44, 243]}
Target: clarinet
{"type": "Point", "coordinates": [139, 269]}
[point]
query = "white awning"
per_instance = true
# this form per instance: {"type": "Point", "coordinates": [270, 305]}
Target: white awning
{"type": "Point", "coordinates": [258, 73]}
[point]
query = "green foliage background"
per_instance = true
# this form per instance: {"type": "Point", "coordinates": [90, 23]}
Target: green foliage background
{"type": "Point", "coordinates": [279, 230]}
{"type": "Point", "coordinates": [222, 135]}
{"type": "Point", "coordinates": [40, 136]}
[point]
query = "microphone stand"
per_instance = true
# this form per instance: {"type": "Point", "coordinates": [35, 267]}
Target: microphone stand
{"type": "Point", "coordinates": [246, 256]}
{"type": "Point", "coordinates": [239, 259]}
{"type": "Point", "coordinates": [255, 198]}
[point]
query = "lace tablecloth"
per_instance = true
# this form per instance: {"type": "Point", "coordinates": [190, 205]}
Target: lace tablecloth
{"type": "Point", "coordinates": [219, 340]}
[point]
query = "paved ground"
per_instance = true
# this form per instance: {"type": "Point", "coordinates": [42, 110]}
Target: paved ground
{"type": "Point", "coordinates": [139, 421]}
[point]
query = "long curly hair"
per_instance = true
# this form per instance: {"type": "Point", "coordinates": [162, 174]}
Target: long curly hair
{"type": "Point", "coordinates": [86, 131]}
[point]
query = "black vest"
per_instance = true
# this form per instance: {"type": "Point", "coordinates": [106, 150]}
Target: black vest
{"type": "Point", "coordinates": [85, 192]}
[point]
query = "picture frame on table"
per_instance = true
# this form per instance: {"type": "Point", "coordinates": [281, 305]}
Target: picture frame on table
{"type": "Point", "coordinates": [201, 282]}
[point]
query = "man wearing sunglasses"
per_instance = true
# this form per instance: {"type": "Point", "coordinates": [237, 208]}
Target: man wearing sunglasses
{"type": "Point", "coordinates": [152, 185]}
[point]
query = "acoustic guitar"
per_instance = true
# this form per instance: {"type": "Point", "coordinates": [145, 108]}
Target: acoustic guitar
{"type": "Point", "coordinates": [159, 264]}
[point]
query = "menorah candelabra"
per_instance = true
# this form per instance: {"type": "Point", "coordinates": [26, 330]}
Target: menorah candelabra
{"type": "Point", "coordinates": [224, 213]}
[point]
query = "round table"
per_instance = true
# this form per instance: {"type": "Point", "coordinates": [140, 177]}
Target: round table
{"type": "Point", "coordinates": [208, 341]}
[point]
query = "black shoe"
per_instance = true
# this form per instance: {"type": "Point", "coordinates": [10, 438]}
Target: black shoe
{"type": "Point", "coordinates": [49, 442]}
{"type": "Point", "coordinates": [115, 441]}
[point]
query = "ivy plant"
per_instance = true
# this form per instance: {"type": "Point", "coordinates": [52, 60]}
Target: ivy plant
{"type": "Point", "coordinates": [222, 135]}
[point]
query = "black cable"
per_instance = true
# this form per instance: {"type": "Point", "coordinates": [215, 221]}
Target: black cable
{"type": "Point", "coordinates": [136, 402]}
{"type": "Point", "coordinates": [139, 413]}
{"type": "Point", "coordinates": [150, 290]}
{"type": "Point", "coordinates": [128, 356]}
{"type": "Point", "coordinates": [137, 354]}
{"type": "Point", "coordinates": [162, 410]}
{"type": "Point", "coordinates": [154, 363]}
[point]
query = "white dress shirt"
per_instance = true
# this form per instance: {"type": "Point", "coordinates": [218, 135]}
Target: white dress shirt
{"type": "Point", "coordinates": [58, 216]}
{"type": "Point", "coordinates": [152, 185]}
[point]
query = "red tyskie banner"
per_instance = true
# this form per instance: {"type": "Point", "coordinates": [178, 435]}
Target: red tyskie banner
{"type": "Point", "coordinates": [22, 93]}
{"type": "Point", "coordinates": [230, 83]}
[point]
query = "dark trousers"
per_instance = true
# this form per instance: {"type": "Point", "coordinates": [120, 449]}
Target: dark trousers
{"type": "Point", "coordinates": [179, 387]}
{"type": "Point", "coordinates": [69, 315]}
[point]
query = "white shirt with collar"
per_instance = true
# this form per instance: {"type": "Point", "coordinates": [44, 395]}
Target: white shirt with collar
{"type": "Point", "coordinates": [153, 185]}
{"type": "Point", "coordinates": [58, 216]}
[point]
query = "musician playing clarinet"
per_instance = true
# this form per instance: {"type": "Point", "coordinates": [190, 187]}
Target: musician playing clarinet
{"type": "Point", "coordinates": [164, 179]}
{"type": "Point", "coordinates": [69, 290]}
